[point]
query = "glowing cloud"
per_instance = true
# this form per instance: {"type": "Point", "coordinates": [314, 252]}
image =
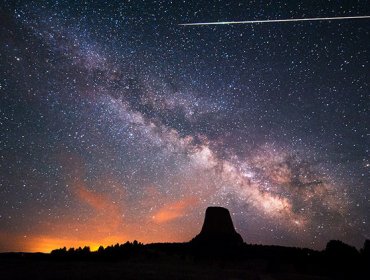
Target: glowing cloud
{"type": "Point", "coordinates": [174, 210]}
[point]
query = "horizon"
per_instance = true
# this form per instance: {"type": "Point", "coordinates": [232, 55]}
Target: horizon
{"type": "Point", "coordinates": [118, 124]}
{"type": "Point", "coordinates": [95, 247]}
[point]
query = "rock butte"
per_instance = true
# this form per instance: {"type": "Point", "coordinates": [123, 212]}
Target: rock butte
{"type": "Point", "coordinates": [218, 229]}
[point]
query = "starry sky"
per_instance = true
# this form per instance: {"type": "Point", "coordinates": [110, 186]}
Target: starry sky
{"type": "Point", "coordinates": [117, 123]}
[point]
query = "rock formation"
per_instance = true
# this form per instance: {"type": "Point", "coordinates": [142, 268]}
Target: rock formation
{"type": "Point", "coordinates": [218, 229]}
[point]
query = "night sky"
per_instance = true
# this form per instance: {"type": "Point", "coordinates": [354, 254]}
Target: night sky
{"type": "Point", "coordinates": [117, 123]}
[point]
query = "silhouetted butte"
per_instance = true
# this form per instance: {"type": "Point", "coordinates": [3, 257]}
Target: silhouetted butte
{"type": "Point", "coordinates": [218, 229]}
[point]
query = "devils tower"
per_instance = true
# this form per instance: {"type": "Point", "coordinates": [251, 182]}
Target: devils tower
{"type": "Point", "coordinates": [218, 228]}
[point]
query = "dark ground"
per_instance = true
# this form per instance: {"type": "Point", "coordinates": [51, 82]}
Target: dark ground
{"type": "Point", "coordinates": [189, 261]}
{"type": "Point", "coordinates": [167, 268]}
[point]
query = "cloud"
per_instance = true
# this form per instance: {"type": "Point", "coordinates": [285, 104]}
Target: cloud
{"type": "Point", "coordinates": [108, 213]}
{"type": "Point", "coordinates": [174, 210]}
{"type": "Point", "coordinates": [98, 201]}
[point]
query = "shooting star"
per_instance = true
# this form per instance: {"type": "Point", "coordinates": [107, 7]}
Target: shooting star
{"type": "Point", "coordinates": [273, 20]}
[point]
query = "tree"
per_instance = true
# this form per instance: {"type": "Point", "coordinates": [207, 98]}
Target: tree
{"type": "Point", "coordinates": [365, 251]}
{"type": "Point", "coordinates": [339, 249]}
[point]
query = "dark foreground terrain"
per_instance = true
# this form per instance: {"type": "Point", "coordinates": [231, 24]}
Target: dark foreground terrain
{"type": "Point", "coordinates": [189, 261]}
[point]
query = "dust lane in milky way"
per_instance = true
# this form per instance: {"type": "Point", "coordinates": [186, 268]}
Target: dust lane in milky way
{"type": "Point", "coordinates": [117, 124]}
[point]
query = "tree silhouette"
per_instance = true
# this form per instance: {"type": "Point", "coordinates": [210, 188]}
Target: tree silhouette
{"type": "Point", "coordinates": [339, 249]}
{"type": "Point", "coordinates": [365, 251]}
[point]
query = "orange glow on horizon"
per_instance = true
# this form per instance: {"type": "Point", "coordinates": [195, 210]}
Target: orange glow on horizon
{"type": "Point", "coordinates": [47, 243]}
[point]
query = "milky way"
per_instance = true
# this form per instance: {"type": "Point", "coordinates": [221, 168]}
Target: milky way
{"type": "Point", "coordinates": [118, 124]}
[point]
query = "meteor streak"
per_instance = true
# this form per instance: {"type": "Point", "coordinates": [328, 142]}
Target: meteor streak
{"type": "Point", "coordinates": [273, 20]}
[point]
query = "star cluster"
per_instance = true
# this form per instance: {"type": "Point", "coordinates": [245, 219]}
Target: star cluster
{"type": "Point", "coordinates": [118, 124]}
